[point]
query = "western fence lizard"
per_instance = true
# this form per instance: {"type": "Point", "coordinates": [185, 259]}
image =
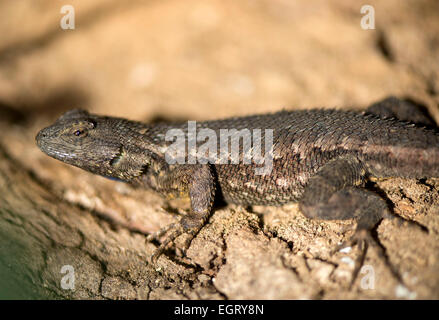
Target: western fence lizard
{"type": "Point", "coordinates": [320, 158]}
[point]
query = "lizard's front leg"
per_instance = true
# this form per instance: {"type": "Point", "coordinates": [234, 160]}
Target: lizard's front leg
{"type": "Point", "coordinates": [195, 181]}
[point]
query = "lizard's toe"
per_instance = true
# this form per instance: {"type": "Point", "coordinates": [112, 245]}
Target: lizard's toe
{"type": "Point", "coordinates": [171, 232]}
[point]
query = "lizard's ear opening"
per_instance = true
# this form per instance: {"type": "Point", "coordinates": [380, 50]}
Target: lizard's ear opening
{"type": "Point", "coordinates": [74, 114]}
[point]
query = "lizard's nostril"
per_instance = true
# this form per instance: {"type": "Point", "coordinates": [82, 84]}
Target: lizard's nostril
{"type": "Point", "coordinates": [41, 135]}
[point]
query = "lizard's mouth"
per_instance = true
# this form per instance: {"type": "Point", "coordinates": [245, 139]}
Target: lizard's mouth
{"type": "Point", "coordinates": [54, 150]}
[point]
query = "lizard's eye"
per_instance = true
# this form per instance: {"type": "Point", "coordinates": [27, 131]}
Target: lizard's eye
{"type": "Point", "coordinates": [80, 132]}
{"type": "Point", "coordinates": [82, 128]}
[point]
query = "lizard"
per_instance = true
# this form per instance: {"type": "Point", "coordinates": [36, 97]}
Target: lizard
{"type": "Point", "coordinates": [321, 158]}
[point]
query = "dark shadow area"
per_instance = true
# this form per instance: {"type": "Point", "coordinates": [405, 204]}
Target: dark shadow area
{"type": "Point", "coordinates": [382, 44]}
{"type": "Point", "coordinates": [11, 115]}
{"type": "Point", "coordinates": [26, 109]}
{"type": "Point", "coordinates": [165, 119]}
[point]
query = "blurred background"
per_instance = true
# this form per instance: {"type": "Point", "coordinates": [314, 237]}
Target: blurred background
{"type": "Point", "coordinates": [207, 59]}
{"type": "Point", "coordinates": [204, 59]}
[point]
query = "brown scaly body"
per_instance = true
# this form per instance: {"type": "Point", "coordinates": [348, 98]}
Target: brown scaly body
{"type": "Point", "coordinates": [321, 158]}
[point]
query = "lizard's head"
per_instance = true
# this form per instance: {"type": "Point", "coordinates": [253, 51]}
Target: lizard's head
{"type": "Point", "coordinates": [82, 139]}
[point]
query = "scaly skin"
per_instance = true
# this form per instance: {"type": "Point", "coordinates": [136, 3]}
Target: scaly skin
{"type": "Point", "coordinates": [321, 158]}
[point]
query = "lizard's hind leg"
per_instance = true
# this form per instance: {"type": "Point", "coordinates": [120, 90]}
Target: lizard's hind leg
{"type": "Point", "coordinates": [403, 110]}
{"type": "Point", "coordinates": [335, 193]}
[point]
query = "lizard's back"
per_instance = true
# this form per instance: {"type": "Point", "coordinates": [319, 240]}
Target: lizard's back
{"type": "Point", "coordinates": [304, 141]}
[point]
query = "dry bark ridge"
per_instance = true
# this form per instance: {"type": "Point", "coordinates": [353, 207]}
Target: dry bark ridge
{"type": "Point", "coordinates": [53, 215]}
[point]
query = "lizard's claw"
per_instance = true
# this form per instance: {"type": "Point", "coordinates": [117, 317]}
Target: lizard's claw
{"type": "Point", "coordinates": [361, 238]}
{"type": "Point", "coordinates": [157, 235]}
{"type": "Point", "coordinates": [364, 239]}
{"type": "Point", "coordinates": [186, 225]}
{"type": "Point", "coordinates": [172, 230]}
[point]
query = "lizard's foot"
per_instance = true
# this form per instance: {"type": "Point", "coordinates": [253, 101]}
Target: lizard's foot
{"type": "Point", "coordinates": [171, 232]}
{"type": "Point", "coordinates": [363, 239]}
{"type": "Point", "coordinates": [189, 224]}
{"type": "Point", "coordinates": [157, 235]}
{"type": "Point", "coordinates": [403, 110]}
{"type": "Point", "coordinates": [358, 238]}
